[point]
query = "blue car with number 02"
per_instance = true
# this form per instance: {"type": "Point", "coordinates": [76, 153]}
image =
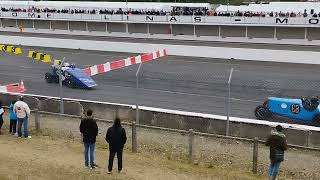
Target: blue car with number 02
{"type": "Point", "coordinates": [303, 109]}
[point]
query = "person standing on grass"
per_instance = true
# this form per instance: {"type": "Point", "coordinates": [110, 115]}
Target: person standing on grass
{"type": "Point", "coordinates": [1, 116]}
{"type": "Point", "coordinates": [116, 137]}
{"type": "Point", "coordinates": [89, 131]}
{"type": "Point", "coordinates": [22, 110]}
{"type": "Point", "coordinates": [13, 119]}
{"type": "Point", "coordinates": [278, 144]}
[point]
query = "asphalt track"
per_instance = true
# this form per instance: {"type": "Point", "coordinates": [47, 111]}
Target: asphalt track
{"type": "Point", "coordinates": [179, 83]}
{"type": "Point", "coordinates": [173, 42]}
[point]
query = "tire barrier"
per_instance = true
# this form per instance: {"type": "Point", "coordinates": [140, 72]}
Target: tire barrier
{"type": "Point", "coordinates": [109, 66]}
{"type": "Point", "coordinates": [10, 49]}
{"type": "Point", "coordinates": [39, 56]}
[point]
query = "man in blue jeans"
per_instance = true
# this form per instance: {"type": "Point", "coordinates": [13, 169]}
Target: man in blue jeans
{"type": "Point", "coordinates": [89, 131]}
{"type": "Point", "coordinates": [22, 110]}
{"type": "Point", "coordinates": [278, 144]}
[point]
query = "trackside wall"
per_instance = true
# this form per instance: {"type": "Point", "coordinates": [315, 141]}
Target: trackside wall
{"type": "Point", "coordinates": [185, 121]}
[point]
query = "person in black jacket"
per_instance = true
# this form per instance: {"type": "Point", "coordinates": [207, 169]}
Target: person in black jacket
{"type": "Point", "coordinates": [89, 131]}
{"type": "Point", "coordinates": [278, 144]}
{"type": "Point", "coordinates": [1, 116]}
{"type": "Point", "coordinates": [116, 137]}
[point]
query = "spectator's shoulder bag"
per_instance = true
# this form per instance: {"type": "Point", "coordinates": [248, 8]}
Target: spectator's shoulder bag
{"type": "Point", "coordinates": [279, 155]}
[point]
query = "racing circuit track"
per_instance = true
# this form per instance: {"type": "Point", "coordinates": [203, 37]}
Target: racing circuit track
{"type": "Point", "coordinates": [172, 42]}
{"type": "Point", "coordinates": [179, 83]}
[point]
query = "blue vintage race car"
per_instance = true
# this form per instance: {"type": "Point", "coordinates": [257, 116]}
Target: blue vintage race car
{"type": "Point", "coordinates": [304, 109]}
{"type": "Point", "coordinates": [72, 77]}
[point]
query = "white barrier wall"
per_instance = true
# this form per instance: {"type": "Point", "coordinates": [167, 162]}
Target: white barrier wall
{"type": "Point", "coordinates": [305, 57]}
{"type": "Point", "coordinates": [211, 20]}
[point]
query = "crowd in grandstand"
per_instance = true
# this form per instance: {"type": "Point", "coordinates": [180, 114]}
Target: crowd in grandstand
{"type": "Point", "coordinates": [177, 11]}
{"type": "Point", "coordinates": [174, 12]}
{"type": "Point", "coordinates": [263, 14]}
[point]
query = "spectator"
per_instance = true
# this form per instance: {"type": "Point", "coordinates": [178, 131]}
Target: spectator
{"type": "Point", "coordinates": [116, 137]}
{"type": "Point", "coordinates": [13, 119]}
{"type": "Point", "coordinates": [1, 116]}
{"type": "Point", "coordinates": [278, 144]}
{"type": "Point", "coordinates": [305, 14]}
{"type": "Point", "coordinates": [89, 131]}
{"type": "Point", "coordinates": [22, 110]}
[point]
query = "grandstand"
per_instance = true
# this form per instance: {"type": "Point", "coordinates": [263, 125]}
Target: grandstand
{"type": "Point", "coordinates": [275, 20]}
{"type": "Point", "coordinates": [284, 7]}
{"type": "Point", "coordinates": [100, 5]}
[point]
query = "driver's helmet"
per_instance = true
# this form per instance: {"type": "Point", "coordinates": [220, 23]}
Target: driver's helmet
{"type": "Point", "coordinates": [66, 64]}
{"type": "Point", "coordinates": [72, 66]}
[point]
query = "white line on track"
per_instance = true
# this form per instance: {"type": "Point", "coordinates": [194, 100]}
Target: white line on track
{"type": "Point", "coordinates": [25, 67]}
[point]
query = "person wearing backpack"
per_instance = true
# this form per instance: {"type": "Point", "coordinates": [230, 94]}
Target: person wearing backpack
{"type": "Point", "coordinates": [278, 144]}
{"type": "Point", "coordinates": [1, 116]}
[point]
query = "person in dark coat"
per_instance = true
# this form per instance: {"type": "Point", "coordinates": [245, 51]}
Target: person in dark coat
{"type": "Point", "coordinates": [116, 137]}
{"type": "Point", "coordinates": [278, 144]}
{"type": "Point", "coordinates": [1, 116]}
{"type": "Point", "coordinates": [89, 131]}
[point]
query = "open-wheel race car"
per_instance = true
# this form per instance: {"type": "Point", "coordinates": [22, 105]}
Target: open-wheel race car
{"type": "Point", "coordinates": [303, 109]}
{"type": "Point", "coordinates": [72, 76]}
{"type": "Point", "coordinates": [75, 77]}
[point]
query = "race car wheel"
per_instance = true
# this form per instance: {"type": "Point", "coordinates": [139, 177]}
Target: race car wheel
{"type": "Point", "coordinates": [70, 83]}
{"type": "Point", "coordinates": [262, 113]}
{"type": "Point", "coordinates": [48, 77]}
{"type": "Point", "coordinates": [316, 119]}
{"type": "Point", "coordinates": [56, 79]}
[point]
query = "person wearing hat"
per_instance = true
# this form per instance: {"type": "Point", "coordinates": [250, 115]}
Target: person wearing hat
{"type": "Point", "coordinates": [89, 130]}
{"type": "Point", "coordinates": [278, 144]}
